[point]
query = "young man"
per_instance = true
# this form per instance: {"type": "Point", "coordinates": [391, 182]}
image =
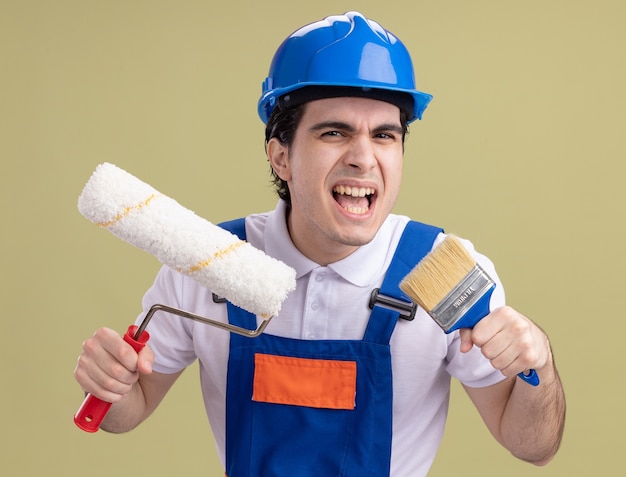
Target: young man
{"type": "Point", "coordinates": [337, 102]}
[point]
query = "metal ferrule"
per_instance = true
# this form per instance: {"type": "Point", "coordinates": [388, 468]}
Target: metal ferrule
{"type": "Point", "coordinates": [461, 298]}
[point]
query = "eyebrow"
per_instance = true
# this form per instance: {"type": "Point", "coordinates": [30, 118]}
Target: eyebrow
{"type": "Point", "coordinates": [347, 127]}
{"type": "Point", "coordinates": [331, 125]}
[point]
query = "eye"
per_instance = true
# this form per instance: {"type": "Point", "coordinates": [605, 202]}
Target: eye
{"type": "Point", "coordinates": [332, 134]}
{"type": "Point", "coordinates": [386, 137]}
{"type": "Point", "coordinates": [388, 133]}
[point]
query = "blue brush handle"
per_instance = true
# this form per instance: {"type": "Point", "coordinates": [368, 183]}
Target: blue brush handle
{"type": "Point", "coordinates": [477, 312]}
{"type": "Point", "coordinates": [531, 378]}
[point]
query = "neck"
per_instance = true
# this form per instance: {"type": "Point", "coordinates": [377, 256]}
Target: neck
{"type": "Point", "coordinates": [317, 247]}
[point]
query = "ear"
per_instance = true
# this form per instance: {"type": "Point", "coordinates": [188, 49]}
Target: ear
{"type": "Point", "coordinates": [278, 155]}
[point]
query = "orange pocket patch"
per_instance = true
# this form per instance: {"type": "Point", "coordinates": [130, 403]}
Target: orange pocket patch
{"type": "Point", "coordinates": [319, 383]}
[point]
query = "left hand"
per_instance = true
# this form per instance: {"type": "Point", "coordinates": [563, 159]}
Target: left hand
{"type": "Point", "coordinates": [509, 340]}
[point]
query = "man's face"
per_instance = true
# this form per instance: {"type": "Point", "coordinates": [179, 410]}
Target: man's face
{"type": "Point", "coordinates": [344, 170]}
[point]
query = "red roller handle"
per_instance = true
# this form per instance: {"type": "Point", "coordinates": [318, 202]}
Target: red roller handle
{"type": "Point", "coordinates": [92, 411]}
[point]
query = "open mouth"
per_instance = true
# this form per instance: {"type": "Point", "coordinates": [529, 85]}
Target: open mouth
{"type": "Point", "coordinates": [355, 200]}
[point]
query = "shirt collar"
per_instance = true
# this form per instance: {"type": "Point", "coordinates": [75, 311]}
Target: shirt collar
{"type": "Point", "coordinates": [366, 265]}
{"type": "Point", "coordinates": [362, 268]}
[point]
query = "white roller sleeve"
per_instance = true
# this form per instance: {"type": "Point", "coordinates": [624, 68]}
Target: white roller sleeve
{"type": "Point", "coordinates": [138, 214]}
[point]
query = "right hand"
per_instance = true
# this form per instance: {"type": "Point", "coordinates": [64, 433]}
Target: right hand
{"type": "Point", "coordinates": [108, 367]}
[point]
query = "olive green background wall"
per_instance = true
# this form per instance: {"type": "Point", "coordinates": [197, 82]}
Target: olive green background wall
{"type": "Point", "coordinates": [522, 150]}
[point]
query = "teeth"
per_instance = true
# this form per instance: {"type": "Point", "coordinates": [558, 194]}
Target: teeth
{"type": "Point", "coordinates": [354, 191]}
{"type": "Point", "coordinates": [357, 210]}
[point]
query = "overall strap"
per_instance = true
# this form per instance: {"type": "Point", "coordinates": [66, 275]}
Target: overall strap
{"type": "Point", "coordinates": [416, 242]}
{"type": "Point", "coordinates": [237, 316]}
{"type": "Point", "coordinates": [236, 226]}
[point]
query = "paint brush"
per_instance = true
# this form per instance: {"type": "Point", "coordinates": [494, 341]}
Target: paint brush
{"type": "Point", "coordinates": [453, 289]}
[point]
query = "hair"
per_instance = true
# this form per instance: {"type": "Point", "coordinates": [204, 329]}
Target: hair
{"type": "Point", "coordinates": [282, 125]}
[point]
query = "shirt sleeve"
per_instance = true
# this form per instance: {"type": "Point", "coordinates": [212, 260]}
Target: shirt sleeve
{"type": "Point", "coordinates": [170, 335]}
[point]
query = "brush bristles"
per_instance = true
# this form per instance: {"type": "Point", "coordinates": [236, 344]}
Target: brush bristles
{"type": "Point", "coordinates": [438, 273]}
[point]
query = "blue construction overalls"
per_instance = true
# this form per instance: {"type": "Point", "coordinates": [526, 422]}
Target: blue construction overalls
{"type": "Point", "coordinates": [305, 408]}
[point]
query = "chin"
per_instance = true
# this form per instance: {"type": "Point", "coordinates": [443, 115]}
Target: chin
{"type": "Point", "coordinates": [358, 238]}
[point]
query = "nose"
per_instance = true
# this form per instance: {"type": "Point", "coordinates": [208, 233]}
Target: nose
{"type": "Point", "coordinates": [362, 154]}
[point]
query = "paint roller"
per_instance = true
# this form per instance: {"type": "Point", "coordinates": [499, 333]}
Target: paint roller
{"type": "Point", "coordinates": [231, 268]}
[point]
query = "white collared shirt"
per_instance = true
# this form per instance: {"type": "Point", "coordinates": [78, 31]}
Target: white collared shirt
{"type": "Point", "coordinates": [328, 303]}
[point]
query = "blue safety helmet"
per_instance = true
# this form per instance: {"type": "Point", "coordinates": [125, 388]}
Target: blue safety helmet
{"type": "Point", "coordinates": [348, 55]}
